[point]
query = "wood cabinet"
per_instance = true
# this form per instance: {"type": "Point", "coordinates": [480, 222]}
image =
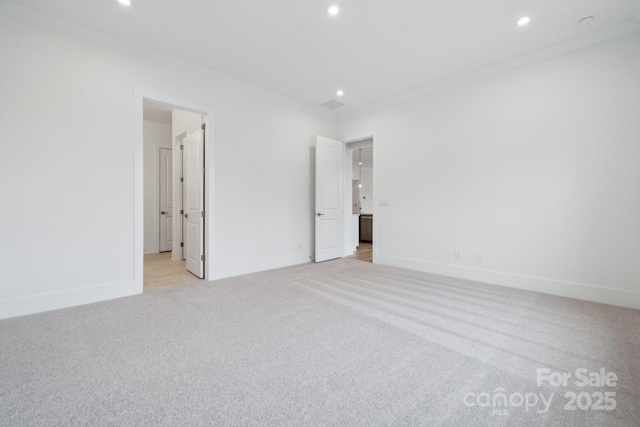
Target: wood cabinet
{"type": "Point", "coordinates": [366, 228]}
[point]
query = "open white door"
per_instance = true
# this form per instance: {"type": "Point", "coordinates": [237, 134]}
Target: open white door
{"type": "Point", "coordinates": [166, 200]}
{"type": "Point", "coordinates": [329, 198]}
{"type": "Point", "coordinates": [194, 201]}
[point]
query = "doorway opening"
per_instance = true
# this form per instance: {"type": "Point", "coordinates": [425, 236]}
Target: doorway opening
{"type": "Point", "coordinates": [361, 196]}
{"type": "Point", "coordinates": [337, 213]}
{"type": "Point", "coordinates": [174, 196]}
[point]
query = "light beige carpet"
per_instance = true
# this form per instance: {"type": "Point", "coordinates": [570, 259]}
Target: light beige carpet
{"type": "Point", "coordinates": [342, 343]}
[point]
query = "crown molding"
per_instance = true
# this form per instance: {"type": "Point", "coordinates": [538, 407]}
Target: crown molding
{"type": "Point", "coordinates": [610, 34]}
{"type": "Point", "coordinates": [33, 16]}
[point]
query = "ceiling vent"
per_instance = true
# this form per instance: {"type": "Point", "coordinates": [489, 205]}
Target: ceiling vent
{"type": "Point", "coordinates": [332, 105]}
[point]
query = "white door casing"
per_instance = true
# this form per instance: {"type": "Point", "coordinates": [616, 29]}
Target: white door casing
{"type": "Point", "coordinates": [194, 201]}
{"type": "Point", "coordinates": [179, 252]}
{"type": "Point", "coordinates": [329, 199]}
{"type": "Point", "coordinates": [166, 200]}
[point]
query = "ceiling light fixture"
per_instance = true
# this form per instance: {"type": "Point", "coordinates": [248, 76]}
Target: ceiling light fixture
{"type": "Point", "coordinates": [523, 21]}
{"type": "Point", "coordinates": [340, 93]}
{"type": "Point", "coordinates": [125, 2]}
{"type": "Point", "coordinates": [333, 10]}
{"type": "Point", "coordinates": [360, 169]}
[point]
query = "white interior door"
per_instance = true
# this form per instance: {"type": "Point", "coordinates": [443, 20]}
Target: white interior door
{"type": "Point", "coordinates": [194, 201]}
{"type": "Point", "coordinates": [329, 198]}
{"type": "Point", "coordinates": [166, 200]}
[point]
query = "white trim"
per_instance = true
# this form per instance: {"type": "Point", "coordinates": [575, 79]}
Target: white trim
{"type": "Point", "coordinates": [48, 21]}
{"type": "Point", "coordinates": [609, 34]}
{"type": "Point", "coordinates": [177, 253]}
{"type": "Point", "coordinates": [208, 117]}
{"type": "Point", "coordinates": [241, 268]}
{"type": "Point", "coordinates": [581, 291]}
{"type": "Point", "coordinates": [637, 14]}
{"type": "Point", "coordinates": [63, 299]}
{"type": "Point", "coordinates": [138, 194]}
{"type": "Point", "coordinates": [156, 195]}
{"type": "Point", "coordinates": [350, 246]}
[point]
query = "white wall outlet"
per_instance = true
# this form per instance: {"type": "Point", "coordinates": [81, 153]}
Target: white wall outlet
{"type": "Point", "coordinates": [479, 257]}
{"type": "Point", "coordinates": [457, 255]}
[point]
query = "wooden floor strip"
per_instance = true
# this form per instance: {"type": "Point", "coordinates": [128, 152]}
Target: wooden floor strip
{"type": "Point", "coordinates": [160, 270]}
{"type": "Point", "coordinates": [364, 252]}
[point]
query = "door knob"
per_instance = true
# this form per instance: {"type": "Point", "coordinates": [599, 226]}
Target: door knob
{"type": "Point", "coordinates": [319, 214]}
{"type": "Point", "coordinates": [163, 213]}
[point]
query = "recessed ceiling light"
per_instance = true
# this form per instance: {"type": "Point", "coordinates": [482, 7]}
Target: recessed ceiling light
{"type": "Point", "coordinates": [523, 21]}
{"type": "Point", "coordinates": [333, 10]}
{"type": "Point", "coordinates": [340, 93]}
{"type": "Point", "coordinates": [125, 2]}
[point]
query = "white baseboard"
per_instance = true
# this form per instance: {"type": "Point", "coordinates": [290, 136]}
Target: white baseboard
{"type": "Point", "coordinates": [350, 250]}
{"type": "Point", "coordinates": [581, 291]}
{"type": "Point", "coordinates": [151, 249]}
{"type": "Point", "coordinates": [31, 304]}
{"type": "Point", "coordinates": [232, 270]}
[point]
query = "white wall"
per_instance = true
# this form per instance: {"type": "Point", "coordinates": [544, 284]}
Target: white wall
{"type": "Point", "coordinates": [538, 168]}
{"type": "Point", "coordinates": [184, 121]}
{"type": "Point", "coordinates": [67, 167]}
{"type": "Point", "coordinates": [366, 179]}
{"type": "Point", "coordinates": [156, 136]}
{"type": "Point", "coordinates": [366, 191]}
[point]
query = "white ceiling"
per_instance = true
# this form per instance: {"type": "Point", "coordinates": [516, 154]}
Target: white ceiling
{"type": "Point", "coordinates": [374, 50]}
{"type": "Point", "coordinates": [157, 113]}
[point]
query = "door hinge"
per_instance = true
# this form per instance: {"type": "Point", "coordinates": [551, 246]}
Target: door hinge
{"type": "Point", "coordinates": [181, 211]}
{"type": "Point", "coordinates": [182, 244]}
{"type": "Point", "coordinates": [202, 257]}
{"type": "Point", "coordinates": [182, 146]}
{"type": "Point", "coordinates": [202, 214]}
{"type": "Point", "coordinates": [202, 171]}
{"type": "Point", "coordinates": [204, 126]}
{"type": "Point", "coordinates": [181, 179]}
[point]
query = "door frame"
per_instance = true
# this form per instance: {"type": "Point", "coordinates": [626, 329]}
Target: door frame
{"type": "Point", "coordinates": [159, 196]}
{"type": "Point", "coordinates": [208, 118]}
{"type": "Point", "coordinates": [348, 177]}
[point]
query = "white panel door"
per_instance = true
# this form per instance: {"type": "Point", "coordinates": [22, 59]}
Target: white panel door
{"type": "Point", "coordinates": [166, 200]}
{"type": "Point", "coordinates": [194, 201]}
{"type": "Point", "coordinates": [329, 199]}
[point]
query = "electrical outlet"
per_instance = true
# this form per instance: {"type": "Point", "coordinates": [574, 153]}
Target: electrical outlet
{"type": "Point", "coordinates": [479, 257]}
{"type": "Point", "coordinates": [457, 255]}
